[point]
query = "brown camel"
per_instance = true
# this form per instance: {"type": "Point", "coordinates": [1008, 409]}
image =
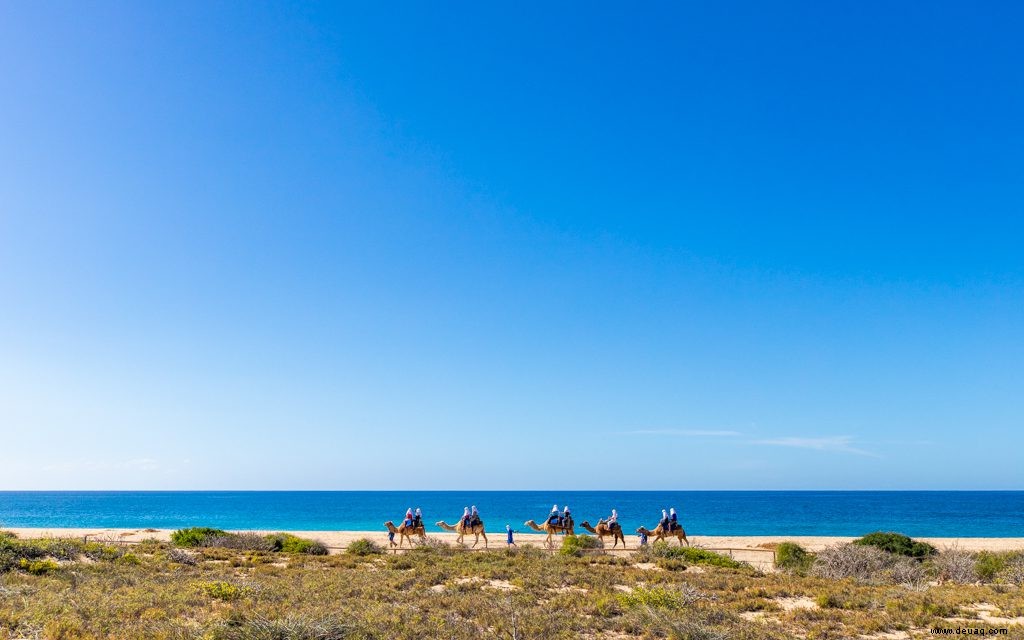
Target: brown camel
{"type": "Point", "coordinates": [659, 533]}
{"type": "Point", "coordinates": [552, 529]}
{"type": "Point", "coordinates": [406, 533]}
{"type": "Point", "coordinates": [477, 530]}
{"type": "Point", "coordinates": [603, 530]}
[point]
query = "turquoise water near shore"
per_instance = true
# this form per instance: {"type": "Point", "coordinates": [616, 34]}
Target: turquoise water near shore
{"type": "Point", "coordinates": [826, 513]}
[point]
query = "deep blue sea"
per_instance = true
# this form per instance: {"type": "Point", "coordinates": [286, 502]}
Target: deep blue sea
{"type": "Point", "coordinates": [838, 513]}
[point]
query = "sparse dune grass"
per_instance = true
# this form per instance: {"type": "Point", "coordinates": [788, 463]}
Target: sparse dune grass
{"type": "Point", "coordinates": [436, 591]}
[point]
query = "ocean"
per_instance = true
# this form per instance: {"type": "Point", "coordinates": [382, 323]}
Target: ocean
{"type": "Point", "coordinates": [742, 513]}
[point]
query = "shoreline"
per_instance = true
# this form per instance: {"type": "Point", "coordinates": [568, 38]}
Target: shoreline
{"type": "Point", "coordinates": [339, 539]}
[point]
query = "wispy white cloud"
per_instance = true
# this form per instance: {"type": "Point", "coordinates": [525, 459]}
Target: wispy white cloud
{"type": "Point", "coordinates": [843, 444]}
{"type": "Point", "coordinates": [714, 433]}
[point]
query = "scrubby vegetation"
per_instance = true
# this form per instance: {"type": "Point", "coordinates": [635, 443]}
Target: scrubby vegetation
{"type": "Point", "coordinates": [275, 542]}
{"type": "Point", "coordinates": [792, 557]}
{"type": "Point", "coordinates": [70, 590]}
{"type": "Point", "coordinates": [364, 547]}
{"type": "Point", "coordinates": [578, 545]}
{"type": "Point", "coordinates": [671, 557]}
{"type": "Point", "coordinates": [897, 543]}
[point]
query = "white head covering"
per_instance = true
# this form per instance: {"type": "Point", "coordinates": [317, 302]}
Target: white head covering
{"type": "Point", "coordinates": [614, 513]}
{"type": "Point", "coordinates": [408, 511]}
{"type": "Point", "coordinates": [474, 509]}
{"type": "Point", "coordinates": [418, 512]}
{"type": "Point", "coordinates": [567, 508]}
{"type": "Point", "coordinates": [672, 510]}
{"type": "Point", "coordinates": [554, 507]}
{"type": "Point", "coordinates": [663, 514]}
{"type": "Point", "coordinates": [465, 511]}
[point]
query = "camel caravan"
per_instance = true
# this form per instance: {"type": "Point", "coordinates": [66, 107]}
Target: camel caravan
{"type": "Point", "coordinates": [557, 523]}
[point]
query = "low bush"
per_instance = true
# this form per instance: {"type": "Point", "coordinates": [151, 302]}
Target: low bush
{"type": "Point", "coordinates": [181, 556]}
{"type": "Point", "coordinates": [1013, 572]}
{"type": "Point", "coordinates": [693, 555]}
{"type": "Point", "coordinates": [576, 545]}
{"type": "Point", "coordinates": [989, 564]}
{"type": "Point", "coordinates": [39, 567]}
{"type": "Point", "coordinates": [656, 598]}
{"type": "Point", "coordinates": [364, 547]}
{"type": "Point", "coordinates": [195, 536]}
{"type": "Point", "coordinates": [956, 565]}
{"type": "Point", "coordinates": [792, 557]}
{"type": "Point", "coordinates": [221, 590]}
{"type": "Point", "coordinates": [897, 543]}
{"type": "Point", "coordinates": [864, 563]}
{"type": "Point", "coordinates": [243, 541]}
{"type": "Point", "coordinates": [288, 543]}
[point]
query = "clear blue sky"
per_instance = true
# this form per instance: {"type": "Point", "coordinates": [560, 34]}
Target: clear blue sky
{"type": "Point", "coordinates": [496, 245]}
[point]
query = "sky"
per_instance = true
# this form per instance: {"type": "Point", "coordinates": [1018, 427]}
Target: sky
{"type": "Point", "coordinates": [677, 246]}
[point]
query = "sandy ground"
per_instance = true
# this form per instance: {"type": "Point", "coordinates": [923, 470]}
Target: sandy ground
{"type": "Point", "coordinates": [746, 548]}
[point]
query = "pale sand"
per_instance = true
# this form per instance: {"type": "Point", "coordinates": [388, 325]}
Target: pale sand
{"type": "Point", "coordinates": [340, 539]}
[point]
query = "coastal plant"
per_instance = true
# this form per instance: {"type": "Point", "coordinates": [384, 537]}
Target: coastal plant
{"type": "Point", "coordinates": [956, 565]}
{"type": "Point", "coordinates": [288, 543]}
{"type": "Point", "coordinates": [1013, 571]}
{"type": "Point", "coordinates": [291, 627]}
{"type": "Point", "coordinates": [897, 543]}
{"type": "Point", "coordinates": [789, 556]}
{"type": "Point", "coordinates": [180, 556]}
{"type": "Point", "coordinates": [221, 590]}
{"type": "Point", "coordinates": [693, 555]}
{"type": "Point", "coordinates": [905, 571]}
{"type": "Point", "coordinates": [364, 547]}
{"type": "Point", "coordinates": [39, 567]}
{"type": "Point", "coordinates": [863, 563]}
{"type": "Point", "coordinates": [656, 598]}
{"type": "Point", "coordinates": [578, 545]}
{"type": "Point", "coordinates": [195, 536]}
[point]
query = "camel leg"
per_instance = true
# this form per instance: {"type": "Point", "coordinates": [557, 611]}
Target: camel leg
{"type": "Point", "coordinates": [485, 539]}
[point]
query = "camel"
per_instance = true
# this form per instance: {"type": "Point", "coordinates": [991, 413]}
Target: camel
{"type": "Point", "coordinates": [477, 530]}
{"type": "Point", "coordinates": [659, 533]}
{"type": "Point", "coordinates": [603, 530]}
{"type": "Point", "coordinates": [551, 529]}
{"type": "Point", "coordinates": [405, 532]}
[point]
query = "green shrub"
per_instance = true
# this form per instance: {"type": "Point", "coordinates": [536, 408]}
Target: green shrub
{"type": "Point", "coordinates": [195, 536]}
{"type": "Point", "coordinates": [694, 555]}
{"type": "Point", "coordinates": [364, 547]}
{"type": "Point", "coordinates": [655, 598]}
{"type": "Point", "coordinates": [221, 590]}
{"type": "Point", "coordinates": [287, 543]}
{"type": "Point", "coordinates": [792, 557]}
{"type": "Point", "coordinates": [576, 545]}
{"type": "Point", "coordinates": [39, 567]}
{"type": "Point", "coordinates": [991, 564]}
{"type": "Point", "coordinates": [897, 543]}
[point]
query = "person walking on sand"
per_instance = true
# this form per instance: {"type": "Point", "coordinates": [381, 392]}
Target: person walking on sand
{"type": "Point", "coordinates": [509, 542]}
{"type": "Point", "coordinates": [643, 538]}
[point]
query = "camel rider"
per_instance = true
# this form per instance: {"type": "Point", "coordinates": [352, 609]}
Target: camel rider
{"type": "Point", "coordinates": [664, 523]}
{"type": "Point", "coordinates": [553, 517]}
{"type": "Point", "coordinates": [418, 520]}
{"type": "Point", "coordinates": [673, 519]}
{"type": "Point", "coordinates": [566, 516]}
{"type": "Point", "coordinates": [475, 519]}
{"type": "Point", "coordinates": [466, 517]}
{"type": "Point", "coordinates": [613, 520]}
{"type": "Point", "coordinates": [408, 518]}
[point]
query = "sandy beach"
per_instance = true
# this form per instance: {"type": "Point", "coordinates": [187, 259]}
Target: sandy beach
{"type": "Point", "coordinates": [340, 539]}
